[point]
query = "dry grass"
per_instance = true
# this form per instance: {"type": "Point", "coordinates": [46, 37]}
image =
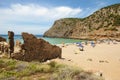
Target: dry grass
{"type": "Point", "coordinates": [19, 70]}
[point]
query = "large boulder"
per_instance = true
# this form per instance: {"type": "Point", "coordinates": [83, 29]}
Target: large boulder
{"type": "Point", "coordinates": [36, 49]}
{"type": "Point", "coordinates": [2, 39]}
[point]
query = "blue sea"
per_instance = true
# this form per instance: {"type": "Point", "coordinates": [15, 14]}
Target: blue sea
{"type": "Point", "coordinates": [50, 40]}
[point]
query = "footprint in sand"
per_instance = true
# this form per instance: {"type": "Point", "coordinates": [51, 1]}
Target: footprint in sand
{"type": "Point", "coordinates": [103, 61]}
{"type": "Point", "coordinates": [89, 59]}
{"type": "Point", "coordinates": [119, 60]}
{"type": "Point", "coordinates": [69, 60]}
{"type": "Point", "coordinates": [106, 61]}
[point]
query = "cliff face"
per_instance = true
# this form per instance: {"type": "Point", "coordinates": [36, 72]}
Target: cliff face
{"type": "Point", "coordinates": [104, 23]}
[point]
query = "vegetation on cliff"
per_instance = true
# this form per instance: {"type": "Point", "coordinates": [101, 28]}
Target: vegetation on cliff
{"type": "Point", "coordinates": [102, 23]}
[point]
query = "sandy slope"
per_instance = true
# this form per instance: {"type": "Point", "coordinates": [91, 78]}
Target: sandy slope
{"type": "Point", "coordinates": [104, 58]}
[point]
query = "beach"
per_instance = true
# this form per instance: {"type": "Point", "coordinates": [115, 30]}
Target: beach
{"type": "Point", "coordinates": [103, 57]}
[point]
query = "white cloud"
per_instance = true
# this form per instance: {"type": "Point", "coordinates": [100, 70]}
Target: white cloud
{"type": "Point", "coordinates": [18, 14]}
{"type": "Point", "coordinates": [18, 29]}
{"type": "Point", "coordinates": [37, 11]}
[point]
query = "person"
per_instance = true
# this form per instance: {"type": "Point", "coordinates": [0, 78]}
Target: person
{"type": "Point", "coordinates": [63, 44]}
{"type": "Point", "coordinates": [108, 41]}
{"type": "Point", "coordinates": [81, 47]}
{"type": "Point", "coordinates": [92, 44]}
{"type": "Point", "coordinates": [86, 42]}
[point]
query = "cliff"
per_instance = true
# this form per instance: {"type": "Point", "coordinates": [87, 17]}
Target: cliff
{"type": "Point", "coordinates": [104, 23]}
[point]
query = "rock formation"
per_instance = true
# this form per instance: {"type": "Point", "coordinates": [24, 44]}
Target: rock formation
{"type": "Point", "coordinates": [18, 43]}
{"type": "Point", "coordinates": [36, 49]}
{"type": "Point", "coordinates": [104, 23]}
{"type": "Point", "coordinates": [2, 39]}
{"type": "Point", "coordinates": [3, 45]}
{"type": "Point", "coordinates": [11, 41]}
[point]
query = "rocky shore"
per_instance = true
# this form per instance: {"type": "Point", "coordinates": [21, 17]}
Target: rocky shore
{"type": "Point", "coordinates": [32, 49]}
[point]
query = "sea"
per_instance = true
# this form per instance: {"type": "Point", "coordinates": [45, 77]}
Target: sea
{"type": "Point", "coordinates": [53, 41]}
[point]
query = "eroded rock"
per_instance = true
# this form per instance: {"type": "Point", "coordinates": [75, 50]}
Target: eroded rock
{"type": "Point", "coordinates": [2, 39]}
{"type": "Point", "coordinates": [36, 49]}
{"type": "Point", "coordinates": [11, 41]}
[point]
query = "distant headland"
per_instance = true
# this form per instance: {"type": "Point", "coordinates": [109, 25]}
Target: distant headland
{"type": "Point", "coordinates": [102, 24]}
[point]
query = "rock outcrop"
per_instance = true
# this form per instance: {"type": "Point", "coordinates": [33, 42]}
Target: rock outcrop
{"type": "Point", "coordinates": [104, 23]}
{"type": "Point", "coordinates": [2, 39]}
{"type": "Point", "coordinates": [11, 41]}
{"type": "Point", "coordinates": [36, 49]}
{"type": "Point", "coordinates": [3, 45]}
{"type": "Point", "coordinates": [18, 43]}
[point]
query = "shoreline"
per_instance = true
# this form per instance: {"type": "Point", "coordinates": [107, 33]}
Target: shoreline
{"type": "Point", "coordinates": [85, 38]}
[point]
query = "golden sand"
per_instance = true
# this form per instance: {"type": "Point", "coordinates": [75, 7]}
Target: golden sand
{"type": "Point", "coordinates": [103, 57]}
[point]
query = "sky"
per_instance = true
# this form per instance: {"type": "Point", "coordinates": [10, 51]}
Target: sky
{"type": "Point", "coordinates": [37, 16]}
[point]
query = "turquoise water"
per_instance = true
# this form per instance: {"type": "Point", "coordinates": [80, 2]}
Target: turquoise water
{"type": "Point", "coordinates": [61, 40]}
{"type": "Point", "coordinates": [50, 40]}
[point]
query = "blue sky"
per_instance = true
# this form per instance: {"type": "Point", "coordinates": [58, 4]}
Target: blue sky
{"type": "Point", "coordinates": [37, 16]}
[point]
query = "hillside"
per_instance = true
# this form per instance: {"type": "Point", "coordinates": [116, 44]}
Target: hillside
{"type": "Point", "coordinates": [104, 23]}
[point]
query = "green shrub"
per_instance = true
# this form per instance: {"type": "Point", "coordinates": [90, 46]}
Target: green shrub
{"type": "Point", "coordinates": [117, 20]}
{"type": "Point", "coordinates": [65, 73]}
{"type": "Point", "coordinates": [52, 64]}
{"type": "Point", "coordinates": [23, 71]}
{"type": "Point", "coordinates": [6, 74]}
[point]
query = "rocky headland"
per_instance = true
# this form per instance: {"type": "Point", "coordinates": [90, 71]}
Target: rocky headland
{"type": "Point", "coordinates": [102, 24]}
